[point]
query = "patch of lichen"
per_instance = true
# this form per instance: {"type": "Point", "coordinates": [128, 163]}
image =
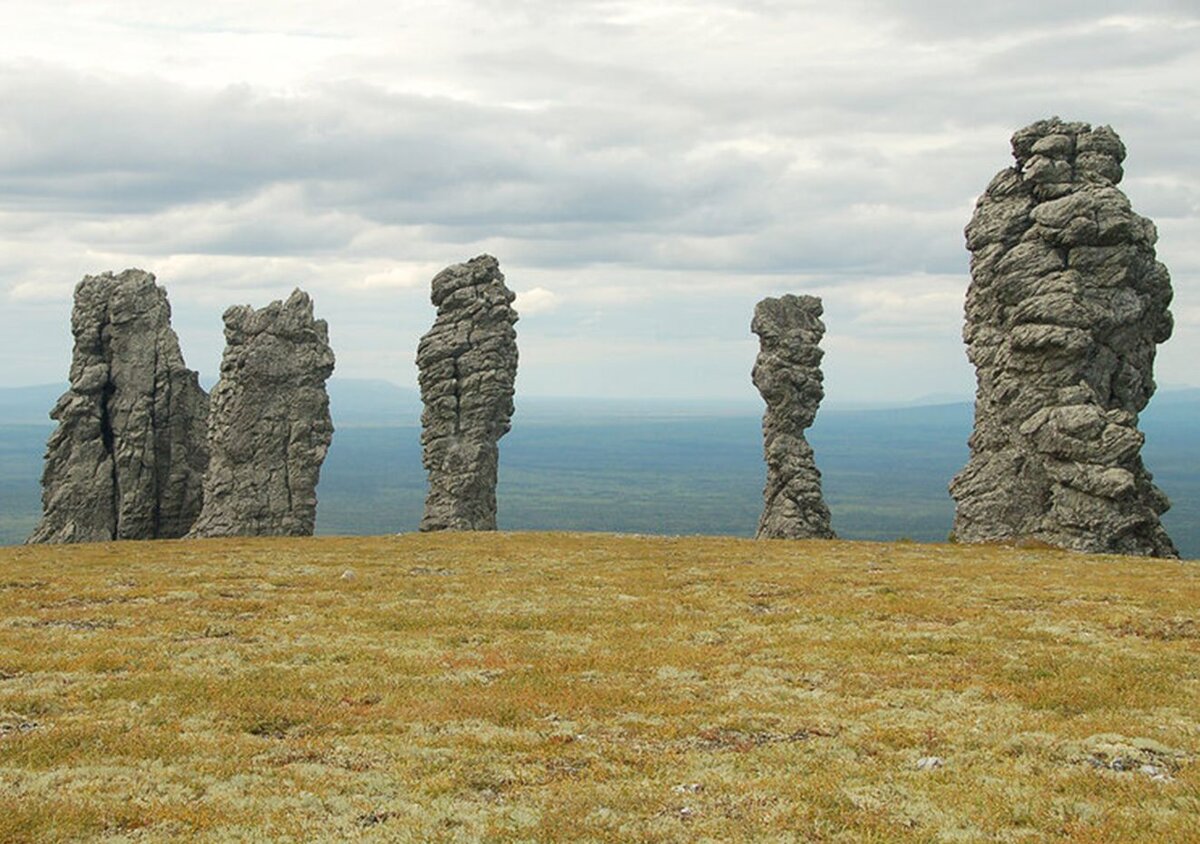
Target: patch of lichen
{"type": "Point", "coordinates": [594, 687]}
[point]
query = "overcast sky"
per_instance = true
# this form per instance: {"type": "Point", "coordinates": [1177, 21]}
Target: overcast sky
{"type": "Point", "coordinates": [644, 171]}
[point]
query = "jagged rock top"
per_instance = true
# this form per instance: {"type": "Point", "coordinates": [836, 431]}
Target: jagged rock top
{"type": "Point", "coordinates": [787, 372]}
{"type": "Point", "coordinates": [1056, 157]}
{"type": "Point", "coordinates": [285, 343]}
{"type": "Point", "coordinates": [286, 320]}
{"type": "Point", "coordinates": [476, 283]}
{"type": "Point", "coordinates": [1062, 191]}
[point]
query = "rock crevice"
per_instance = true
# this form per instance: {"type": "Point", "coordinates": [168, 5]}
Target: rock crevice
{"type": "Point", "coordinates": [1066, 305]}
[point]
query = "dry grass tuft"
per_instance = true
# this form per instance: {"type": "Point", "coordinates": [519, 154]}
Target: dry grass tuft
{"type": "Point", "coordinates": [582, 687]}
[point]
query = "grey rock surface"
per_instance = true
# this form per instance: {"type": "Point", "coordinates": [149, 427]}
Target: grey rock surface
{"type": "Point", "coordinates": [269, 428]}
{"type": "Point", "coordinates": [468, 370]}
{"type": "Point", "coordinates": [788, 375]}
{"type": "Point", "coordinates": [127, 458]}
{"type": "Point", "coordinates": [1066, 305]}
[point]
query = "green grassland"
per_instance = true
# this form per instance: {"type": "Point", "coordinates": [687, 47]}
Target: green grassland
{"type": "Point", "coordinates": [591, 687]}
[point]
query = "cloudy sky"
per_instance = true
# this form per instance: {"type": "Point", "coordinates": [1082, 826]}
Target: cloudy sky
{"type": "Point", "coordinates": [645, 172]}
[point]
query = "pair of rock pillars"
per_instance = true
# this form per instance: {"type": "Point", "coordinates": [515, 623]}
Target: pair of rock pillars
{"type": "Point", "coordinates": [468, 367]}
{"type": "Point", "coordinates": [142, 452]}
{"type": "Point", "coordinates": [1065, 307]}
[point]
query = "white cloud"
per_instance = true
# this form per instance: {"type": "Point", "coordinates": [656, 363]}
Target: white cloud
{"type": "Point", "coordinates": [914, 305]}
{"type": "Point", "coordinates": [399, 278]}
{"type": "Point", "coordinates": [30, 291]}
{"type": "Point", "coordinates": [536, 300]}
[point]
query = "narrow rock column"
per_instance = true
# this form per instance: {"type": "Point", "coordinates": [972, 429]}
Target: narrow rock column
{"type": "Point", "coordinates": [788, 375]}
{"type": "Point", "coordinates": [1065, 307]}
{"type": "Point", "coordinates": [127, 457]}
{"type": "Point", "coordinates": [468, 370]}
{"type": "Point", "coordinates": [270, 427]}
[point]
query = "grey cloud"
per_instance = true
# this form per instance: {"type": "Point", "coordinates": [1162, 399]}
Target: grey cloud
{"type": "Point", "coordinates": [1164, 199]}
{"type": "Point", "coordinates": [195, 172]}
{"type": "Point", "coordinates": [953, 19]}
{"type": "Point", "coordinates": [275, 222]}
{"type": "Point", "coordinates": [144, 145]}
{"type": "Point", "coordinates": [1098, 53]}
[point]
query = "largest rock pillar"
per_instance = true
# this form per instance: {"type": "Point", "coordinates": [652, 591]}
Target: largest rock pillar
{"type": "Point", "coordinates": [468, 370]}
{"type": "Point", "coordinates": [129, 452]}
{"type": "Point", "coordinates": [1065, 307]}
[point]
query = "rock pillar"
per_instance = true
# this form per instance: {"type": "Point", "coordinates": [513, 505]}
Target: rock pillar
{"type": "Point", "coordinates": [468, 369]}
{"type": "Point", "coordinates": [1066, 305]}
{"type": "Point", "coordinates": [788, 375]}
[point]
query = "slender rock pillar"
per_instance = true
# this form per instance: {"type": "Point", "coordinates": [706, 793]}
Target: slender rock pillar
{"type": "Point", "coordinates": [788, 375]}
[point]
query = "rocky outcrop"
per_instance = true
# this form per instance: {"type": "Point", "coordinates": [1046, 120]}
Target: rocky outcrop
{"type": "Point", "coordinates": [270, 427]}
{"type": "Point", "coordinates": [129, 452]}
{"type": "Point", "coordinates": [1065, 307]}
{"type": "Point", "coordinates": [788, 375]}
{"type": "Point", "coordinates": [468, 367]}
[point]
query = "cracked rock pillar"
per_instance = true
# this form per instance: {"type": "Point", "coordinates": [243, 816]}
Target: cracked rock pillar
{"type": "Point", "coordinates": [129, 452]}
{"type": "Point", "coordinates": [468, 369]}
{"type": "Point", "coordinates": [1066, 305]}
{"type": "Point", "coordinates": [270, 427]}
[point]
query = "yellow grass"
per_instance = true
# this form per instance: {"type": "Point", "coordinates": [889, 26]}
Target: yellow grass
{"type": "Point", "coordinates": [575, 687]}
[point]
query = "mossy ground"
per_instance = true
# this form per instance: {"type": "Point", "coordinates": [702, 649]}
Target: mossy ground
{"type": "Point", "coordinates": [583, 687]}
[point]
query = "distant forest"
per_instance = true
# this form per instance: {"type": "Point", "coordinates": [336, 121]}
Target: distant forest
{"type": "Point", "coordinates": [655, 467]}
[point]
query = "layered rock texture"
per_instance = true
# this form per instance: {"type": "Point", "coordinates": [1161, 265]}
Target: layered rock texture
{"type": "Point", "coordinates": [1065, 307]}
{"type": "Point", "coordinates": [129, 452]}
{"type": "Point", "coordinates": [269, 428]}
{"type": "Point", "coordinates": [788, 375]}
{"type": "Point", "coordinates": [468, 369]}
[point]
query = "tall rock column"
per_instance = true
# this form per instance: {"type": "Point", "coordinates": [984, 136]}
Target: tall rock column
{"type": "Point", "coordinates": [129, 452]}
{"type": "Point", "coordinates": [468, 369]}
{"type": "Point", "coordinates": [788, 375]}
{"type": "Point", "coordinates": [270, 427]}
{"type": "Point", "coordinates": [1064, 310]}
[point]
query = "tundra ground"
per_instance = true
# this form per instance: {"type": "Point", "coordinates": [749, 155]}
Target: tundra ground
{"type": "Point", "coordinates": [592, 687]}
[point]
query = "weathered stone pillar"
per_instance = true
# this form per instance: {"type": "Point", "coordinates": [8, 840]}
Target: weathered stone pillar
{"type": "Point", "coordinates": [129, 452]}
{"type": "Point", "coordinates": [1065, 307]}
{"type": "Point", "coordinates": [270, 427]}
{"type": "Point", "coordinates": [788, 375]}
{"type": "Point", "coordinates": [468, 369]}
